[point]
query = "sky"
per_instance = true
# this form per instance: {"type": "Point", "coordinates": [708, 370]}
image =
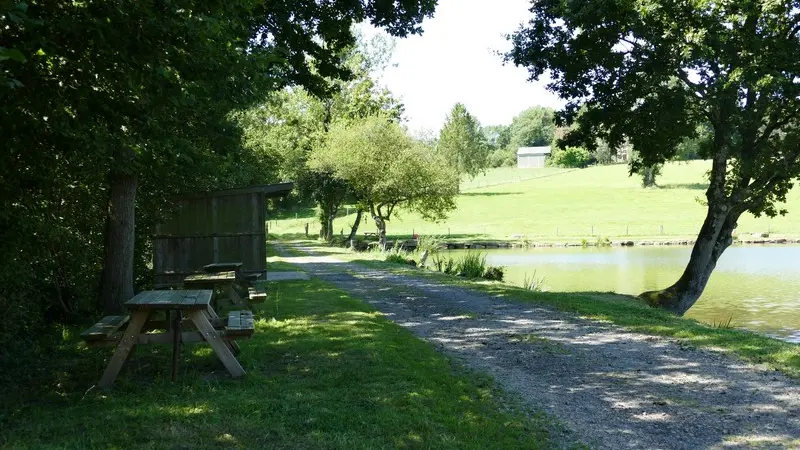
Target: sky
{"type": "Point", "coordinates": [455, 60]}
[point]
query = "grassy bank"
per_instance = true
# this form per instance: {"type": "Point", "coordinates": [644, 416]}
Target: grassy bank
{"type": "Point", "coordinates": [555, 205]}
{"type": "Point", "coordinates": [323, 371]}
{"type": "Point", "coordinates": [621, 310]}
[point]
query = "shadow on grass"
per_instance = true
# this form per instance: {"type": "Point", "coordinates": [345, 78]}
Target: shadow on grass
{"type": "Point", "coordinates": [323, 371]}
{"type": "Point", "coordinates": [487, 194]}
{"type": "Point", "coordinates": [692, 186]}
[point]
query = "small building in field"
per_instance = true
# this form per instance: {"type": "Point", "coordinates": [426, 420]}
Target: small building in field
{"type": "Point", "coordinates": [532, 157]}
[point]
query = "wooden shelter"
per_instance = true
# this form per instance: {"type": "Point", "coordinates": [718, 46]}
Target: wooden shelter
{"type": "Point", "coordinates": [212, 227]}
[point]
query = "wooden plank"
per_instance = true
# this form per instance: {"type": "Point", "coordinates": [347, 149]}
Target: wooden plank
{"type": "Point", "coordinates": [223, 267]}
{"type": "Point", "coordinates": [105, 327]}
{"type": "Point", "coordinates": [210, 277]}
{"type": "Point", "coordinates": [240, 323]}
{"type": "Point", "coordinates": [178, 299]}
{"type": "Point", "coordinates": [234, 296]}
{"type": "Point", "coordinates": [214, 338]}
{"type": "Point", "coordinates": [257, 294]}
{"type": "Point", "coordinates": [128, 341]}
{"type": "Point", "coordinates": [218, 322]}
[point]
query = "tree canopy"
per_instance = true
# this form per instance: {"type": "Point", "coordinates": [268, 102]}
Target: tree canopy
{"type": "Point", "coordinates": [388, 170]}
{"type": "Point", "coordinates": [462, 143]}
{"type": "Point", "coordinates": [109, 108]}
{"type": "Point", "coordinates": [651, 72]}
{"type": "Point", "coordinates": [533, 127]}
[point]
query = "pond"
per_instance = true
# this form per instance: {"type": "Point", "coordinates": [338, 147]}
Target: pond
{"type": "Point", "coordinates": [753, 287]}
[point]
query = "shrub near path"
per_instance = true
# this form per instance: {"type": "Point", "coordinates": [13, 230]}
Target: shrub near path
{"type": "Point", "coordinates": [615, 388]}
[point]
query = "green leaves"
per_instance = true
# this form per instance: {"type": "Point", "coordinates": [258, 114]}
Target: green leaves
{"type": "Point", "coordinates": [461, 142]}
{"type": "Point", "coordinates": [386, 168]}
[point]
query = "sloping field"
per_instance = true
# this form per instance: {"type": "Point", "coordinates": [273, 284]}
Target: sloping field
{"type": "Point", "coordinates": [559, 205]}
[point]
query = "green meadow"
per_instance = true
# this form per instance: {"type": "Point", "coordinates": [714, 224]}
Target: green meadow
{"type": "Point", "coordinates": [559, 205]}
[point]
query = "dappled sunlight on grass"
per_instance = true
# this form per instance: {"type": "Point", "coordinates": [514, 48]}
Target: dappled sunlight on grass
{"type": "Point", "coordinates": [323, 370]}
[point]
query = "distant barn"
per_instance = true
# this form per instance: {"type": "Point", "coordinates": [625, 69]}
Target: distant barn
{"type": "Point", "coordinates": [532, 157]}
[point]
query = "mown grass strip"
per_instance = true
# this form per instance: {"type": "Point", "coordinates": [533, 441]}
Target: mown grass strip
{"type": "Point", "coordinates": [324, 370]}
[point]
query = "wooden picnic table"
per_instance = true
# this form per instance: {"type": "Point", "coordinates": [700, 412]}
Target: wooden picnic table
{"type": "Point", "coordinates": [196, 306]}
{"type": "Point", "coordinates": [223, 267]}
{"type": "Point", "coordinates": [224, 282]}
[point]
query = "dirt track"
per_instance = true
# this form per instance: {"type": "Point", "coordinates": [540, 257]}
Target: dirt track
{"type": "Point", "coordinates": [615, 389]}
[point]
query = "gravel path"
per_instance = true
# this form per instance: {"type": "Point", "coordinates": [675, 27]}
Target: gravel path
{"type": "Point", "coordinates": [615, 389]}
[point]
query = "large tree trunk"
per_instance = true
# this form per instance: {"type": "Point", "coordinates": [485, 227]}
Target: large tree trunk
{"type": "Point", "coordinates": [715, 236]}
{"type": "Point", "coordinates": [117, 280]}
{"type": "Point", "coordinates": [354, 228]}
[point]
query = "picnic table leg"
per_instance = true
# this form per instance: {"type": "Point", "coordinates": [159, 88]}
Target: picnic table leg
{"type": "Point", "coordinates": [234, 346]}
{"type": "Point", "coordinates": [233, 295]}
{"type": "Point", "coordinates": [217, 343]}
{"type": "Point", "coordinates": [124, 347]}
{"type": "Point", "coordinates": [176, 344]}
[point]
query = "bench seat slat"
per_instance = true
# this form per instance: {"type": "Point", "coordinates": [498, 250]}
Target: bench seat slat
{"type": "Point", "coordinates": [257, 294]}
{"type": "Point", "coordinates": [240, 323]}
{"type": "Point", "coordinates": [105, 327]}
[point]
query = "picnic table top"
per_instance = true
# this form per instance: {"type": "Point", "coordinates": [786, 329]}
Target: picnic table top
{"type": "Point", "coordinates": [216, 277]}
{"type": "Point", "coordinates": [179, 299]}
{"type": "Point", "coordinates": [222, 266]}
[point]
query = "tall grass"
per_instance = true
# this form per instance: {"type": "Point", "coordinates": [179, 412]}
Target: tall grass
{"type": "Point", "coordinates": [472, 265]}
{"type": "Point", "coordinates": [533, 283]}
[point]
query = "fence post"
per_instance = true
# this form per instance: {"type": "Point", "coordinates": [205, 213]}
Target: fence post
{"type": "Point", "coordinates": [662, 229]}
{"type": "Point", "coordinates": [592, 230]}
{"type": "Point", "coordinates": [626, 230]}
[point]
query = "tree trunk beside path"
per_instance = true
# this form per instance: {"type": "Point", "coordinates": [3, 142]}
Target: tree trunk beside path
{"type": "Point", "coordinates": [715, 236]}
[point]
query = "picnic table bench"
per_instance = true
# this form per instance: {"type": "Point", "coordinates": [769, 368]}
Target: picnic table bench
{"type": "Point", "coordinates": [195, 321]}
{"type": "Point", "coordinates": [230, 281]}
{"type": "Point", "coordinates": [231, 267]}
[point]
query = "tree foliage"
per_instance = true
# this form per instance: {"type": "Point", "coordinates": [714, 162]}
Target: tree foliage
{"type": "Point", "coordinates": [533, 127]}
{"type": "Point", "coordinates": [650, 72]}
{"type": "Point", "coordinates": [388, 170]}
{"type": "Point", "coordinates": [95, 92]}
{"type": "Point", "coordinates": [462, 143]}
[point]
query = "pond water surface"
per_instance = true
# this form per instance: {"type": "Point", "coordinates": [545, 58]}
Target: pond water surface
{"type": "Point", "coordinates": [753, 287]}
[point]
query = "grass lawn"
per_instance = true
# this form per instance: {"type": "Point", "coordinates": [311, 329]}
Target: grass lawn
{"type": "Point", "coordinates": [561, 206]}
{"type": "Point", "coordinates": [621, 310]}
{"type": "Point", "coordinates": [323, 371]}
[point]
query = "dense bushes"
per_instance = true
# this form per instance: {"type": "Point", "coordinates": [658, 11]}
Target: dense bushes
{"type": "Point", "coordinates": [570, 157]}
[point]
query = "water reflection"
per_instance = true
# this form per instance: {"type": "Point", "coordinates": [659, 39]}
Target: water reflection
{"type": "Point", "coordinates": [757, 287]}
